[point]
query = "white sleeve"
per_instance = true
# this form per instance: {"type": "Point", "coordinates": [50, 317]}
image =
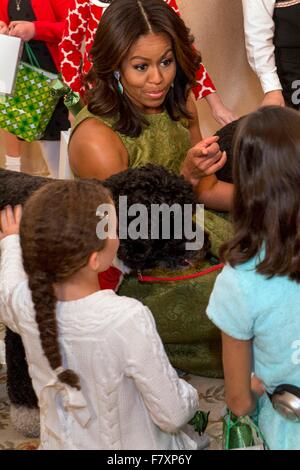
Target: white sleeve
{"type": "Point", "coordinates": [259, 33]}
{"type": "Point", "coordinates": [12, 275]}
{"type": "Point", "coordinates": [171, 401]}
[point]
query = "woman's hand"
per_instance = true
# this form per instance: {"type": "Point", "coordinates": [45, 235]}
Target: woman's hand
{"type": "Point", "coordinates": [273, 98]}
{"type": "Point", "coordinates": [10, 219]}
{"type": "Point", "coordinates": [24, 30]}
{"type": "Point", "coordinates": [3, 28]}
{"type": "Point", "coordinates": [220, 112]}
{"type": "Point", "coordinates": [223, 115]}
{"type": "Point", "coordinates": [204, 159]}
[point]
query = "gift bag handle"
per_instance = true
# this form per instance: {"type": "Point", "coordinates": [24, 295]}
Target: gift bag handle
{"type": "Point", "coordinates": [31, 56]}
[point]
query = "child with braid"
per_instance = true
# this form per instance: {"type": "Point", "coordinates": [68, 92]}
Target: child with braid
{"type": "Point", "coordinates": [97, 364]}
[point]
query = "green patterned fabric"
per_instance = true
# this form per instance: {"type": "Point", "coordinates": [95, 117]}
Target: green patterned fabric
{"type": "Point", "coordinates": [151, 146]}
{"type": "Point", "coordinates": [27, 113]}
{"type": "Point", "coordinates": [191, 340]}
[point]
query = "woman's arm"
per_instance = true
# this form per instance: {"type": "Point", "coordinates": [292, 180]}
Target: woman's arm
{"type": "Point", "coordinates": [200, 164]}
{"type": "Point", "coordinates": [96, 151]}
{"type": "Point", "coordinates": [220, 112]}
{"type": "Point", "coordinates": [215, 194]}
{"type": "Point", "coordinates": [237, 365]}
{"type": "Point", "coordinates": [259, 34]}
{"type": "Point", "coordinates": [42, 30]}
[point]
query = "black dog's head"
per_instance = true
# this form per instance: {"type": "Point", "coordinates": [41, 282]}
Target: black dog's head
{"type": "Point", "coordinates": [226, 138]}
{"type": "Point", "coordinates": [154, 185]}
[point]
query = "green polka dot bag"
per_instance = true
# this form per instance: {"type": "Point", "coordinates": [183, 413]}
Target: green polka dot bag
{"type": "Point", "coordinates": [27, 113]}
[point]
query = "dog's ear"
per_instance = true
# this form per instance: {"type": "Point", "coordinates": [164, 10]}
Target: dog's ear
{"type": "Point", "coordinates": [226, 139]}
{"type": "Point", "coordinates": [15, 188]}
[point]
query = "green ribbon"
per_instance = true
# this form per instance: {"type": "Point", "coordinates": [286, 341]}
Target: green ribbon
{"type": "Point", "coordinates": [31, 56]}
{"type": "Point", "coordinates": [58, 87]}
{"type": "Point", "coordinates": [71, 98]}
{"type": "Point", "coordinates": [240, 432]}
{"type": "Point", "coordinates": [73, 102]}
{"type": "Point", "coordinates": [200, 421]}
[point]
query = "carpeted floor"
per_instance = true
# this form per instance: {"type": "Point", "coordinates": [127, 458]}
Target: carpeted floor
{"type": "Point", "coordinates": [211, 393]}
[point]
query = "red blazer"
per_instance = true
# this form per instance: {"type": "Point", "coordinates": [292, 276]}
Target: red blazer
{"type": "Point", "coordinates": [50, 22]}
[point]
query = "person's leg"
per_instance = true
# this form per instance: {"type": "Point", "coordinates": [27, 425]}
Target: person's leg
{"type": "Point", "coordinates": [12, 151]}
{"type": "Point", "coordinates": [50, 144]}
{"type": "Point", "coordinates": [50, 151]}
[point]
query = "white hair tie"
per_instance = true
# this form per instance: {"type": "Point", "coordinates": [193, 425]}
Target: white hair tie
{"type": "Point", "coordinates": [59, 370]}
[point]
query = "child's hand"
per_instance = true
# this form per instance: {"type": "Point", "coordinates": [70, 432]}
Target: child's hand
{"type": "Point", "coordinates": [257, 386]}
{"type": "Point", "coordinates": [10, 221]}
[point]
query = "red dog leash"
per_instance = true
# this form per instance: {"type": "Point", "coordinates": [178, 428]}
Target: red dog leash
{"type": "Point", "coordinates": [142, 278]}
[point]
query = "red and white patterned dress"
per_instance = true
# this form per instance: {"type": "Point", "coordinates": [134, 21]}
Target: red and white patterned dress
{"type": "Point", "coordinates": [81, 25]}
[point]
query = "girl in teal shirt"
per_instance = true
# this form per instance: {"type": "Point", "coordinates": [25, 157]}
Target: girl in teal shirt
{"type": "Point", "coordinates": [255, 301]}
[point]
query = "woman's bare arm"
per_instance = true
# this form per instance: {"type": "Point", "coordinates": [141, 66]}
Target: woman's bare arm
{"type": "Point", "coordinates": [96, 151]}
{"type": "Point", "coordinates": [212, 192]}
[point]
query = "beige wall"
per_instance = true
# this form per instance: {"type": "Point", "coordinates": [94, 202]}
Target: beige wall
{"type": "Point", "coordinates": [218, 28]}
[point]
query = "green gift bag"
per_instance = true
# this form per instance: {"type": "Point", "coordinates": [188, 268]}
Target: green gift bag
{"type": "Point", "coordinates": [27, 113]}
{"type": "Point", "coordinates": [241, 433]}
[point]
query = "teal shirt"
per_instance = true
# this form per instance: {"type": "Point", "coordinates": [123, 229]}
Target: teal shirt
{"type": "Point", "coordinates": [246, 305]}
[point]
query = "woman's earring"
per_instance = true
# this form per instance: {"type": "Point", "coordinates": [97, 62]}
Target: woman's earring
{"type": "Point", "coordinates": [117, 76]}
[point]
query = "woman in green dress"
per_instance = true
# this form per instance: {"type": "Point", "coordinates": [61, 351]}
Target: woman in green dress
{"type": "Point", "coordinates": [139, 107]}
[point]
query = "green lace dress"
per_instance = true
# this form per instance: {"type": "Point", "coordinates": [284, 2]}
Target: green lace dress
{"type": "Point", "coordinates": [191, 340]}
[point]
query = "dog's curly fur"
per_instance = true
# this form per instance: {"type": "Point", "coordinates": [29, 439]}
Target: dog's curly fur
{"type": "Point", "coordinates": [149, 185]}
{"type": "Point", "coordinates": [15, 188]}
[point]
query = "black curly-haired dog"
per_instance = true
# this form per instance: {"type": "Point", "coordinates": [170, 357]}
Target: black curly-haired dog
{"type": "Point", "coordinates": [154, 185]}
{"type": "Point", "coordinates": [160, 186]}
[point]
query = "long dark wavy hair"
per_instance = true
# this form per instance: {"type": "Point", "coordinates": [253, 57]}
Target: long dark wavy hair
{"type": "Point", "coordinates": [58, 234]}
{"type": "Point", "coordinates": [121, 25]}
{"type": "Point", "coordinates": [266, 206]}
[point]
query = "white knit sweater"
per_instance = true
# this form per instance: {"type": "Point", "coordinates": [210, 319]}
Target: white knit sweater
{"type": "Point", "coordinates": [131, 397]}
